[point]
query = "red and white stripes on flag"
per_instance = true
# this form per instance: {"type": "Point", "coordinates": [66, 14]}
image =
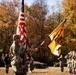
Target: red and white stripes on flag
{"type": "Point", "coordinates": [21, 28]}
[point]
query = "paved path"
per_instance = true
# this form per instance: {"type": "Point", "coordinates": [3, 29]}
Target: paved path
{"type": "Point", "coordinates": [47, 71]}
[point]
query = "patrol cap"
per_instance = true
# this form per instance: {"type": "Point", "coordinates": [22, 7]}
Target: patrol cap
{"type": "Point", "coordinates": [15, 36]}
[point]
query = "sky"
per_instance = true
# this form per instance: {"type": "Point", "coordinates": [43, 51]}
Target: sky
{"type": "Point", "coordinates": [49, 3]}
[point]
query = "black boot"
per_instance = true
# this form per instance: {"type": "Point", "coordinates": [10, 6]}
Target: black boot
{"type": "Point", "coordinates": [6, 71]}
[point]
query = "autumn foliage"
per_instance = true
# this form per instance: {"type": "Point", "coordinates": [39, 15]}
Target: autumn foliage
{"type": "Point", "coordinates": [39, 26]}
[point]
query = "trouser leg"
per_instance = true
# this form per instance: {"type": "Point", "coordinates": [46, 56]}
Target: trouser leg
{"type": "Point", "coordinates": [7, 68]}
{"type": "Point", "coordinates": [18, 74]}
{"type": "Point", "coordinates": [24, 73]}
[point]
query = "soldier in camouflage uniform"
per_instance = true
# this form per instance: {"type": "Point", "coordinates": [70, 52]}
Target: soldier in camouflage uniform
{"type": "Point", "coordinates": [19, 56]}
{"type": "Point", "coordinates": [71, 61]}
{"type": "Point", "coordinates": [17, 53]}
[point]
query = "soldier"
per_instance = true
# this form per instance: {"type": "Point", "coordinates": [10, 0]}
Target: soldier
{"type": "Point", "coordinates": [16, 52]}
{"type": "Point", "coordinates": [61, 62]}
{"type": "Point", "coordinates": [7, 62]}
{"type": "Point", "coordinates": [71, 61]}
{"type": "Point", "coordinates": [18, 56]}
{"type": "Point", "coordinates": [68, 58]}
{"type": "Point", "coordinates": [30, 62]}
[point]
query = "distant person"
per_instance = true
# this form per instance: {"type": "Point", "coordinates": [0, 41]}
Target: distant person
{"type": "Point", "coordinates": [7, 62]}
{"type": "Point", "coordinates": [30, 62]}
{"type": "Point", "coordinates": [61, 62]}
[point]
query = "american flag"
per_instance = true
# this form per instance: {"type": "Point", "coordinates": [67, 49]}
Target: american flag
{"type": "Point", "coordinates": [21, 28]}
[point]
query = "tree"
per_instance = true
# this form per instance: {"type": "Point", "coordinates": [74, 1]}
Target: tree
{"type": "Point", "coordinates": [69, 10]}
{"type": "Point", "coordinates": [8, 18]}
{"type": "Point", "coordinates": [36, 19]}
{"type": "Point", "coordinates": [38, 28]}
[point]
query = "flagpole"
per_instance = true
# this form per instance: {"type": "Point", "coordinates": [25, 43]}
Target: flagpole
{"type": "Point", "coordinates": [43, 42]}
{"type": "Point", "coordinates": [22, 7]}
{"type": "Point", "coordinates": [40, 44]}
{"type": "Point", "coordinates": [48, 36]}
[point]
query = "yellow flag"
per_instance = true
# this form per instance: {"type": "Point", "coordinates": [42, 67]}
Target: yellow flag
{"type": "Point", "coordinates": [55, 37]}
{"type": "Point", "coordinates": [55, 48]}
{"type": "Point", "coordinates": [58, 32]}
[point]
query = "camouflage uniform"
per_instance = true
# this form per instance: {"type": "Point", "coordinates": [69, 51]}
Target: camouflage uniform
{"type": "Point", "coordinates": [19, 61]}
{"type": "Point", "coordinates": [16, 53]}
{"type": "Point", "coordinates": [16, 60]}
{"type": "Point", "coordinates": [71, 61]}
